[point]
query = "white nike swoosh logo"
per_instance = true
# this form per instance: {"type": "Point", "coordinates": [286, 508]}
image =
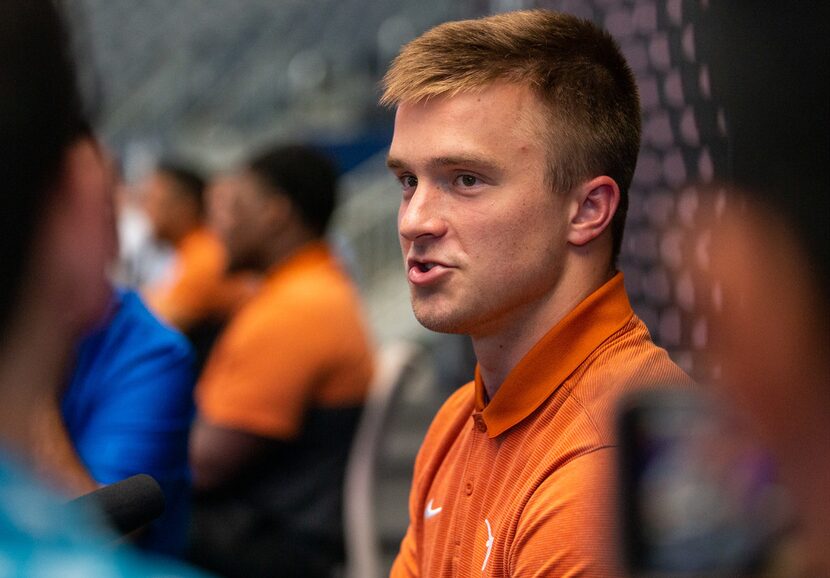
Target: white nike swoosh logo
{"type": "Point", "coordinates": [489, 544]}
{"type": "Point", "coordinates": [430, 512]}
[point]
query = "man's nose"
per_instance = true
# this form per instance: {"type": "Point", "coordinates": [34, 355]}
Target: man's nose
{"type": "Point", "coordinates": [422, 213]}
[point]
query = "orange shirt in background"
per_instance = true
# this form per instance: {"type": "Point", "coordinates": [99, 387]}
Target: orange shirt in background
{"type": "Point", "coordinates": [525, 485]}
{"type": "Point", "coordinates": [299, 344]}
{"type": "Point", "coordinates": [198, 287]}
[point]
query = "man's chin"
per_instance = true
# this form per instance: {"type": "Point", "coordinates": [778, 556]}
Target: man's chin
{"type": "Point", "coordinates": [440, 322]}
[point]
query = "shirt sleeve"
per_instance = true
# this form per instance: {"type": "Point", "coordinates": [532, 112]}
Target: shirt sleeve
{"type": "Point", "coordinates": [406, 562]}
{"type": "Point", "coordinates": [568, 528]}
{"type": "Point", "coordinates": [198, 278]}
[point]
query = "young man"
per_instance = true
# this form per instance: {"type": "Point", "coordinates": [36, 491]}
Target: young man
{"type": "Point", "coordinates": [282, 391]}
{"type": "Point", "coordinates": [516, 138]}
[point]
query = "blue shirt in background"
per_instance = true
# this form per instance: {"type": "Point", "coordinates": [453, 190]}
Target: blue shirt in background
{"type": "Point", "coordinates": [128, 410]}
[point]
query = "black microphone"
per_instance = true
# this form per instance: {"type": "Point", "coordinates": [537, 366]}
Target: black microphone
{"type": "Point", "coordinates": [126, 505]}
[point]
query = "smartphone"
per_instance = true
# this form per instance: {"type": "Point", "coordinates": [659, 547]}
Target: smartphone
{"type": "Point", "coordinates": [700, 496]}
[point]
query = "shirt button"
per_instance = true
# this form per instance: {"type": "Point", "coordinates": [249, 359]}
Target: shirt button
{"type": "Point", "coordinates": [468, 488]}
{"type": "Point", "coordinates": [479, 423]}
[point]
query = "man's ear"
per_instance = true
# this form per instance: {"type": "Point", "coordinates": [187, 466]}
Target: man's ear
{"type": "Point", "coordinates": [596, 202]}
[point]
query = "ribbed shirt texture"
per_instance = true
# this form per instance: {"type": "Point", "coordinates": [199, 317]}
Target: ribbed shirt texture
{"type": "Point", "coordinates": [525, 485]}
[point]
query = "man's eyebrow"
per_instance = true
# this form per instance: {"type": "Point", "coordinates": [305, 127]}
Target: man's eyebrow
{"type": "Point", "coordinates": [465, 160]}
{"type": "Point", "coordinates": [393, 163]}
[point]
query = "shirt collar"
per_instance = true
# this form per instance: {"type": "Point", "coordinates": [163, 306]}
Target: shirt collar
{"type": "Point", "coordinates": [554, 357]}
{"type": "Point", "coordinates": [311, 254]}
{"type": "Point", "coordinates": [195, 237]}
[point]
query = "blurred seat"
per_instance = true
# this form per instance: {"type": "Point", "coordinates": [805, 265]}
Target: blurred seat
{"type": "Point", "coordinates": [379, 472]}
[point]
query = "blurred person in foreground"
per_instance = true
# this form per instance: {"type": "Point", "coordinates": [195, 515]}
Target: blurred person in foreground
{"type": "Point", "coordinates": [282, 392]}
{"type": "Point", "coordinates": [196, 293]}
{"type": "Point", "coordinates": [57, 243]}
{"type": "Point", "coordinates": [127, 409]}
{"type": "Point", "coordinates": [769, 64]}
{"type": "Point", "coordinates": [515, 142]}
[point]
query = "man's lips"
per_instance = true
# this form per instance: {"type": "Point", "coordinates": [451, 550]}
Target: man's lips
{"type": "Point", "coordinates": [425, 271]}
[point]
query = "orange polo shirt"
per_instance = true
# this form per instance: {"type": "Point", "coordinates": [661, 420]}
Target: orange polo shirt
{"type": "Point", "coordinates": [299, 344]}
{"type": "Point", "coordinates": [198, 287]}
{"type": "Point", "coordinates": [524, 485]}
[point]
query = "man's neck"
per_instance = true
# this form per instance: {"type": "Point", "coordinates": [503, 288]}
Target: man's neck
{"type": "Point", "coordinates": [283, 247]}
{"type": "Point", "coordinates": [500, 350]}
{"type": "Point", "coordinates": [184, 233]}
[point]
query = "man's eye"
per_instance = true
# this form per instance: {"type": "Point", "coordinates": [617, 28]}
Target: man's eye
{"type": "Point", "coordinates": [409, 181]}
{"type": "Point", "coordinates": [467, 180]}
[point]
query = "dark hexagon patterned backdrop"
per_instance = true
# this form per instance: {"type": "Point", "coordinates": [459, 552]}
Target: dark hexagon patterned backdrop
{"type": "Point", "coordinates": [683, 153]}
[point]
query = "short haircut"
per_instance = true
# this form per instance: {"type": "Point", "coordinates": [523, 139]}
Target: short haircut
{"type": "Point", "coordinates": [575, 68]}
{"type": "Point", "coordinates": [306, 176]}
{"type": "Point", "coordinates": [41, 116]}
{"type": "Point", "coordinates": [187, 181]}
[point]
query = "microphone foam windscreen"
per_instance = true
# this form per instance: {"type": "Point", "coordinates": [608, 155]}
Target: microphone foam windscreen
{"type": "Point", "coordinates": [126, 505]}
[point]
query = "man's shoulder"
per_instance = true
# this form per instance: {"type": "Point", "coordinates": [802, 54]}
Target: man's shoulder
{"type": "Point", "coordinates": [627, 362]}
{"type": "Point", "coordinates": [314, 301]}
{"type": "Point", "coordinates": [315, 312]}
{"type": "Point", "coordinates": [324, 283]}
{"type": "Point", "coordinates": [630, 356]}
{"type": "Point", "coordinates": [134, 342]}
{"type": "Point", "coordinates": [202, 248]}
{"type": "Point", "coordinates": [145, 329]}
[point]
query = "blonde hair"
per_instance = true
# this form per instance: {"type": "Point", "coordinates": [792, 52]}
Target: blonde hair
{"type": "Point", "coordinates": [575, 68]}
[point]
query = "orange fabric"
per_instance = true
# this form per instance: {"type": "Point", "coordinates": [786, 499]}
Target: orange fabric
{"type": "Point", "coordinates": [299, 343]}
{"type": "Point", "coordinates": [198, 287]}
{"type": "Point", "coordinates": [534, 468]}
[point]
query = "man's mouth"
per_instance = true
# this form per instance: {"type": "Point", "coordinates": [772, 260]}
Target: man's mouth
{"type": "Point", "coordinates": [426, 272]}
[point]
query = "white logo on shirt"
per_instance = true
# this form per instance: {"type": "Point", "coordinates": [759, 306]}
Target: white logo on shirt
{"type": "Point", "coordinates": [489, 544]}
{"type": "Point", "coordinates": [430, 512]}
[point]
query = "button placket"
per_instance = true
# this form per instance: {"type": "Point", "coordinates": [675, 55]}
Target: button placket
{"type": "Point", "coordinates": [479, 424]}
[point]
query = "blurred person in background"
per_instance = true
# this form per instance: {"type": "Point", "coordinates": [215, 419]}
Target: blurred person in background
{"type": "Point", "coordinates": [769, 64]}
{"type": "Point", "coordinates": [128, 407]}
{"type": "Point", "coordinates": [195, 295]}
{"type": "Point", "coordinates": [515, 141]}
{"type": "Point", "coordinates": [141, 258]}
{"type": "Point", "coordinates": [283, 390]}
{"type": "Point", "coordinates": [58, 240]}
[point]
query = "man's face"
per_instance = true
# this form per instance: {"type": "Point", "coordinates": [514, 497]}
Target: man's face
{"type": "Point", "coordinates": [161, 205]}
{"type": "Point", "coordinates": [483, 236]}
{"type": "Point", "coordinates": [82, 240]}
{"type": "Point", "coordinates": [240, 216]}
